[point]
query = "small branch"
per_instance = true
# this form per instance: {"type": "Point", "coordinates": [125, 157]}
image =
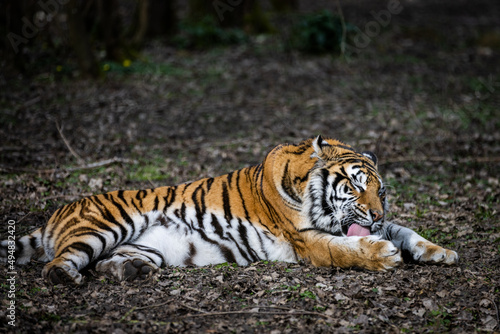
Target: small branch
{"type": "Point", "coordinates": [66, 196]}
{"type": "Point", "coordinates": [127, 314]}
{"type": "Point", "coordinates": [496, 308]}
{"type": "Point", "coordinates": [295, 312]}
{"type": "Point", "coordinates": [101, 163]}
{"type": "Point", "coordinates": [151, 306]}
{"type": "Point", "coordinates": [192, 308]}
{"type": "Point", "coordinates": [79, 158]}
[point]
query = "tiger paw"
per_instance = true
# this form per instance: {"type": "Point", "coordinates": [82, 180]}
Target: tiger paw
{"type": "Point", "coordinates": [57, 272]}
{"type": "Point", "coordinates": [127, 269]}
{"type": "Point", "coordinates": [138, 269]}
{"type": "Point", "coordinates": [428, 252]}
{"type": "Point", "coordinates": [379, 254]}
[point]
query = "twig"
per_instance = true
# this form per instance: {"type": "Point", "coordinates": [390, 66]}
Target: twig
{"type": "Point", "coordinates": [69, 169]}
{"type": "Point", "coordinates": [192, 308]}
{"type": "Point", "coordinates": [65, 196]}
{"type": "Point", "coordinates": [295, 312]}
{"type": "Point", "coordinates": [151, 183]}
{"type": "Point", "coordinates": [496, 308]}
{"type": "Point", "coordinates": [151, 306]}
{"type": "Point", "coordinates": [29, 103]}
{"type": "Point", "coordinates": [79, 158]}
{"type": "Point", "coordinates": [23, 217]}
{"type": "Point", "coordinates": [100, 164]}
{"type": "Point", "coordinates": [135, 308]}
{"type": "Point", "coordinates": [127, 314]}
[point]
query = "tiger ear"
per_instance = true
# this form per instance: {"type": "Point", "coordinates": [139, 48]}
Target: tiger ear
{"type": "Point", "coordinates": [319, 144]}
{"type": "Point", "coordinates": [371, 156]}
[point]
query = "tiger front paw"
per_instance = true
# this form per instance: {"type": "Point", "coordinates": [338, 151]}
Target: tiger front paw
{"type": "Point", "coordinates": [428, 252]}
{"type": "Point", "coordinates": [380, 255]}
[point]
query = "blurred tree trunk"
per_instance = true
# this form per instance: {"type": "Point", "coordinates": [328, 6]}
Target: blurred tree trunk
{"type": "Point", "coordinates": [162, 20]}
{"type": "Point", "coordinates": [285, 5]}
{"type": "Point", "coordinates": [111, 28]}
{"type": "Point", "coordinates": [153, 18]}
{"type": "Point", "coordinates": [80, 40]}
{"type": "Point", "coordinates": [16, 31]}
{"type": "Point", "coordinates": [141, 23]}
{"type": "Point", "coordinates": [256, 21]}
{"type": "Point", "coordinates": [245, 14]}
{"type": "Point", "coordinates": [198, 9]}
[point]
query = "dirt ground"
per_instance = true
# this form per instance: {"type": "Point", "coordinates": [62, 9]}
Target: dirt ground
{"type": "Point", "coordinates": [423, 94]}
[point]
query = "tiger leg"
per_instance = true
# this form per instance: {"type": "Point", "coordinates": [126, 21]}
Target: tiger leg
{"type": "Point", "coordinates": [416, 247]}
{"type": "Point", "coordinates": [86, 240]}
{"type": "Point", "coordinates": [62, 270]}
{"type": "Point", "coordinates": [129, 262]}
{"type": "Point", "coordinates": [73, 255]}
{"type": "Point", "coordinates": [370, 252]}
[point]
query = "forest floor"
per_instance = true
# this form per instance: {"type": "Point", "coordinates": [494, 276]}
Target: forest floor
{"type": "Point", "coordinates": [423, 94]}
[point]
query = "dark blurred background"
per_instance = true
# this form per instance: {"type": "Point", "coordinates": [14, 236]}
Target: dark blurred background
{"type": "Point", "coordinates": [78, 37]}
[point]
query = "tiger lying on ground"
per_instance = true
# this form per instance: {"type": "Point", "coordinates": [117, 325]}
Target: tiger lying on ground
{"type": "Point", "coordinates": [319, 201]}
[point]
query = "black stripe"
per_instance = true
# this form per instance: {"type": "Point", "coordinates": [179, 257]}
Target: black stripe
{"type": "Point", "coordinates": [287, 186]}
{"type": "Point", "coordinates": [226, 203]}
{"type": "Point", "coordinates": [85, 231]}
{"type": "Point", "coordinates": [242, 230]}
{"type": "Point", "coordinates": [299, 179]}
{"type": "Point", "coordinates": [218, 227]}
{"type": "Point", "coordinates": [170, 197]}
{"type": "Point", "coordinates": [68, 209]}
{"type": "Point", "coordinates": [101, 225]}
{"type": "Point", "coordinates": [120, 196]}
{"type": "Point", "coordinates": [140, 196]}
{"type": "Point", "coordinates": [247, 216]}
{"type": "Point", "coordinates": [34, 242]}
{"type": "Point", "coordinates": [192, 252]}
{"type": "Point", "coordinates": [237, 244]}
{"type": "Point", "coordinates": [124, 214]}
{"type": "Point", "coordinates": [79, 247]}
{"type": "Point", "coordinates": [337, 233]}
{"type": "Point", "coordinates": [209, 181]}
{"type": "Point", "coordinates": [19, 249]}
{"type": "Point", "coordinates": [157, 203]}
{"type": "Point", "coordinates": [226, 252]}
{"type": "Point", "coordinates": [145, 249]}
{"type": "Point", "coordinates": [229, 179]}
{"type": "Point", "coordinates": [135, 206]}
{"type": "Point", "coordinates": [299, 149]}
{"type": "Point", "coordinates": [199, 205]}
{"type": "Point", "coordinates": [261, 242]}
{"type": "Point", "coordinates": [345, 147]}
{"type": "Point", "coordinates": [106, 214]}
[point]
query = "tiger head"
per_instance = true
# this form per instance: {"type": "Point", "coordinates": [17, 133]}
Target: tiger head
{"type": "Point", "coordinates": [344, 194]}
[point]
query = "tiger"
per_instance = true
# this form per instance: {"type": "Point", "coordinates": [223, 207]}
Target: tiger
{"type": "Point", "coordinates": [319, 202]}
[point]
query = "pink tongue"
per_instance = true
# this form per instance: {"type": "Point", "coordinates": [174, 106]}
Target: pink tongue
{"type": "Point", "coordinates": [358, 230]}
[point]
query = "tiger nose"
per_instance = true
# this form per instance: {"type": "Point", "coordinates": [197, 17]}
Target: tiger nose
{"type": "Point", "coordinates": [376, 216]}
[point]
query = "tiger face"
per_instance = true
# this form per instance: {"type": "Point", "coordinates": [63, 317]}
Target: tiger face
{"type": "Point", "coordinates": [345, 195]}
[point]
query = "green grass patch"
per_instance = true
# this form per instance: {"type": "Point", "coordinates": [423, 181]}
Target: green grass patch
{"type": "Point", "coordinates": [143, 67]}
